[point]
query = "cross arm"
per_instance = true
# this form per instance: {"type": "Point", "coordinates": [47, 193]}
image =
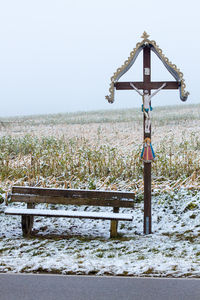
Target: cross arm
{"type": "Point", "coordinates": [154, 85]}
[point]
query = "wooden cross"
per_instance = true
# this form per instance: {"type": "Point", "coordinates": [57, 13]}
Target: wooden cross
{"type": "Point", "coordinates": [147, 84]}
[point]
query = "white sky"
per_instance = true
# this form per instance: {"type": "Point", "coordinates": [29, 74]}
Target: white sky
{"type": "Point", "coordinates": [58, 56]}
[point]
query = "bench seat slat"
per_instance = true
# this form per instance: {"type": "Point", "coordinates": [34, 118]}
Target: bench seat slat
{"type": "Point", "coordinates": [69, 214]}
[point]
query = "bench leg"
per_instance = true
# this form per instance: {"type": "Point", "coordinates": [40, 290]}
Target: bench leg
{"type": "Point", "coordinates": [31, 205]}
{"type": "Point", "coordinates": [114, 224]}
{"type": "Point", "coordinates": [27, 223]}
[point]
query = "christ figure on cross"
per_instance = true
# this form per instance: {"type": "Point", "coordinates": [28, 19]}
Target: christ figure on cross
{"type": "Point", "coordinates": [146, 105]}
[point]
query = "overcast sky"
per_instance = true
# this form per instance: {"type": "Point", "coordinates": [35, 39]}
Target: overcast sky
{"type": "Point", "coordinates": [58, 56]}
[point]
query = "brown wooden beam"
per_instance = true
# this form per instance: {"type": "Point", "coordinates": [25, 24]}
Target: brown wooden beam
{"type": "Point", "coordinates": [153, 85]}
{"type": "Point", "coordinates": [73, 193]}
{"type": "Point", "coordinates": [147, 166]}
{"type": "Point", "coordinates": [71, 201]}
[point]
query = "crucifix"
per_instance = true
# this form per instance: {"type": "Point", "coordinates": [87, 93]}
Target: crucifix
{"type": "Point", "coordinates": [146, 107]}
{"type": "Point", "coordinates": [147, 86]}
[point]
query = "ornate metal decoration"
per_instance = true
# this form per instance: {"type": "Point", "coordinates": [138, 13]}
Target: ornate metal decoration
{"type": "Point", "coordinates": [144, 36]}
{"type": "Point", "coordinates": [172, 68]}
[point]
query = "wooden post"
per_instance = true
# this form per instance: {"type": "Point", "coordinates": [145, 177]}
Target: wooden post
{"type": "Point", "coordinates": [147, 166]}
{"type": "Point", "coordinates": [147, 84]}
{"type": "Point", "coordinates": [26, 225]}
{"type": "Point", "coordinates": [27, 222]}
{"type": "Point", "coordinates": [114, 224]}
{"type": "Point", "coordinates": [146, 46]}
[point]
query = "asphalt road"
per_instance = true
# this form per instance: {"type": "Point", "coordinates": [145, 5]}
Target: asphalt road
{"type": "Point", "coordinates": [53, 287]}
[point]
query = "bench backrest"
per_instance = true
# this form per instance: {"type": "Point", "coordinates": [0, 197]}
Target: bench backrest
{"type": "Point", "coordinates": [72, 196]}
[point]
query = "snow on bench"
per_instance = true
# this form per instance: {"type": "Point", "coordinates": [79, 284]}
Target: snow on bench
{"type": "Point", "coordinates": [68, 214]}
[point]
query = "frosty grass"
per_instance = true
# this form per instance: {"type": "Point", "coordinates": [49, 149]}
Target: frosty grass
{"type": "Point", "coordinates": [73, 246]}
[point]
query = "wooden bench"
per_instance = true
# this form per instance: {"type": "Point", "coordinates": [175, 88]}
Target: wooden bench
{"type": "Point", "coordinates": [34, 195]}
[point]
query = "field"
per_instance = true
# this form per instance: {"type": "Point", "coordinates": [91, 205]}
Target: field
{"type": "Point", "coordinates": [101, 150]}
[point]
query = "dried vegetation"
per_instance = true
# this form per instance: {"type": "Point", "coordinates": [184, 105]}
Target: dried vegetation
{"type": "Point", "coordinates": [101, 149]}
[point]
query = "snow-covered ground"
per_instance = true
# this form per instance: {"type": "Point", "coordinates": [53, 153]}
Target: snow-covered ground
{"type": "Point", "coordinates": [69, 246]}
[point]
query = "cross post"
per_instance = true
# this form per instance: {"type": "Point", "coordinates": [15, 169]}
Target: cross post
{"type": "Point", "coordinates": [147, 166]}
{"type": "Point", "coordinates": [147, 84]}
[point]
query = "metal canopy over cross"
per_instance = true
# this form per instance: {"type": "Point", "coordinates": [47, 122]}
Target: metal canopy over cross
{"type": "Point", "coordinates": [147, 85]}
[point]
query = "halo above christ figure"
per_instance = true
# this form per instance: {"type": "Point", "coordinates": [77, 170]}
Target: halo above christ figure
{"type": "Point", "coordinates": [146, 107]}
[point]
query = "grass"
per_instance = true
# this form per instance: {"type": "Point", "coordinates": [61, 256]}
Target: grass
{"type": "Point", "coordinates": [162, 116]}
{"type": "Point", "coordinates": [60, 153]}
{"type": "Point", "coordinates": [50, 160]}
{"type": "Point", "coordinates": [101, 150]}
